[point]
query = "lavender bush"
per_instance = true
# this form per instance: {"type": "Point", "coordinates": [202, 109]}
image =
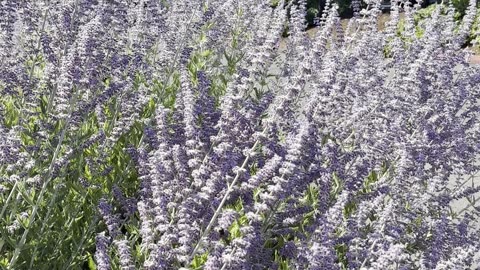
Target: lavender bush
{"type": "Point", "coordinates": [184, 135]}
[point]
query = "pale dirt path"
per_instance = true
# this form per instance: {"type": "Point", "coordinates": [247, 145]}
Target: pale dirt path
{"type": "Point", "coordinates": [475, 59]}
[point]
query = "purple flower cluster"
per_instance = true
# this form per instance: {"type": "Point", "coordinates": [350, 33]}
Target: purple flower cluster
{"type": "Point", "coordinates": [372, 138]}
{"type": "Point", "coordinates": [211, 142]}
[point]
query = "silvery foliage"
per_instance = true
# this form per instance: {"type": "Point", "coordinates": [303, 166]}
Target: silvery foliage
{"type": "Point", "coordinates": [341, 150]}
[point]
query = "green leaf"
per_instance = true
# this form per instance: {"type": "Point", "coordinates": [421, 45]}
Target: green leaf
{"type": "Point", "coordinates": [88, 173]}
{"type": "Point", "coordinates": [11, 115]}
{"type": "Point", "coordinates": [205, 53]}
{"type": "Point", "coordinates": [341, 250]}
{"type": "Point", "coordinates": [349, 209]}
{"type": "Point", "coordinates": [27, 197]}
{"type": "Point", "coordinates": [4, 263]}
{"type": "Point", "coordinates": [337, 185]}
{"type": "Point", "coordinates": [199, 261]}
{"type": "Point", "coordinates": [91, 262]}
{"type": "Point", "coordinates": [235, 230]}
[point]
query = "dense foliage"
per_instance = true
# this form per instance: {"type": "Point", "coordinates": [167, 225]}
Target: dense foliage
{"type": "Point", "coordinates": [186, 134]}
{"type": "Point", "coordinates": [314, 8]}
{"type": "Point", "coordinates": [345, 8]}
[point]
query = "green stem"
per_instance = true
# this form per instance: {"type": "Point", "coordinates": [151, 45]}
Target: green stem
{"type": "Point", "coordinates": [49, 178]}
{"type": "Point", "coordinates": [222, 203]}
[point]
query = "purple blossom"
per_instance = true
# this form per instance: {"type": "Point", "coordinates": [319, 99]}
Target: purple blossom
{"type": "Point", "coordinates": [229, 146]}
{"type": "Point", "coordinates": [111, 220]}
{"type": "Point", "coordinates": [126, 262]}
{"type": "Point", "coordinates": [101, 253]}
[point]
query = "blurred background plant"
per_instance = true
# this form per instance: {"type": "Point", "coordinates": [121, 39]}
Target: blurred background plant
{"type": "Point", "coordinates": [314, 9]}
